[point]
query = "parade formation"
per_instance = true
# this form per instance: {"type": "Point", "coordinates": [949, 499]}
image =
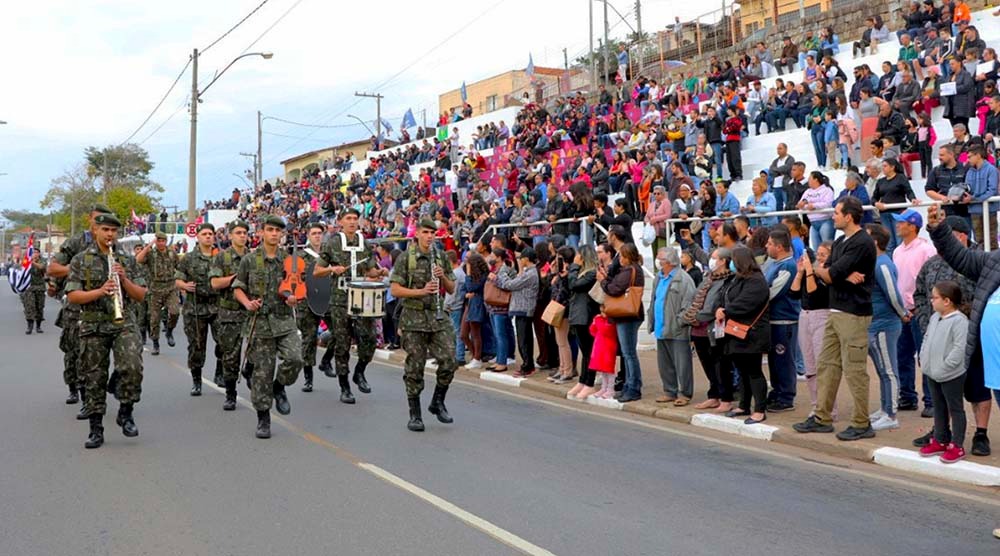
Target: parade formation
{"type": "Point", "coordinates": [263, 307]}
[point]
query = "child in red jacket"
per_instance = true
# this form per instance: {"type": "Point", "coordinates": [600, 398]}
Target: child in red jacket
{"type": "Point", "coordinates": [604, 354]}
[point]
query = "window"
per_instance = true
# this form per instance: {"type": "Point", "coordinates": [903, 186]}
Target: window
{"type": "Point", "coordinates": [491, 103]}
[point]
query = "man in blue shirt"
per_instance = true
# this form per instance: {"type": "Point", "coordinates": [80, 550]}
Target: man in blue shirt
{"type": "Point", "coordinates": [622, 62]}
{"type": "Point", "coordinates": [673, 293]}
{"type": "Point", "coordinates": [784, 322]}
{"type": "Point", "coordinates": [982, 180]}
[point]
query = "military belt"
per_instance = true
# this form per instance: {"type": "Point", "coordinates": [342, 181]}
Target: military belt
{"type": "Point", "coordinates": [230, 304]}
{"type": "Point", "coordinates": [93, 316]}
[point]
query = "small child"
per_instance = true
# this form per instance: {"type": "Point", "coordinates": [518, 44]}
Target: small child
{"type": "Point", "coordinates": [889, 148]}
{"type": "Point", "coordinates": [971, 61]}
{"type": "Point", "coordinates": [604, 354]}
{"type": "Point", "coordinates": [942, 359]}
{"type": "Point", "coordinates": [926, 137]}
{"type": "Point", "coordinates": [831, 137]}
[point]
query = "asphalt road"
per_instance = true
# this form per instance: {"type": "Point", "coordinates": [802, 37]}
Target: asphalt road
{"type": "Point", "coordinates": [511, 476]}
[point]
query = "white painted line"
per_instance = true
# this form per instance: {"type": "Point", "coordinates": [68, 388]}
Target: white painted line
{"type": "Point", "coordinates": [964, 471]}
{"type": "Point", "coordinates": [601, 402]}
{"type": "Point", "coordinates": [382, 354]}
{"type": "Point", "coordinates": [733, 426]}
{"type": "Point", "coordinates": [473, 520]}
{"type": "Point", "coordinates": [501, 378]}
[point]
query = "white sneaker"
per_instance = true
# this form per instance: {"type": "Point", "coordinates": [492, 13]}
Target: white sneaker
{"type": "Point", "coordinates": [885, 423]}
{"type": "Point", "coordinates": [474, 364]}
{"type": "Point", "coordinates": [512, 361]}
{"type": "Point", "coordinates": [876, 416]}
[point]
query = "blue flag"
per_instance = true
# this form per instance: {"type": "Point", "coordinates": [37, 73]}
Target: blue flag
{"type": "Point", "coordinates": [408, 120]}
{"type": "Point", "coordinates": [465, 94]}
{"type": "Point", "coordinates": [530, 70]}
{"type": "Point", "coordinates": [386, 125]}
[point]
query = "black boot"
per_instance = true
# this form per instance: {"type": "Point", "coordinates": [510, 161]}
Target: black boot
{"type": "Point", "coordinates": [359, 379]}
{"type": "Point", "coordinates": [218, 374]}
{"type": "Point", "coordinates": [230, 403]}
{"type": "Point", "coordinates": [264, 424]}
{"type": "Point", "coordinates": [307, 372]}
{"type": "Point", "coordinates": [248, 375]}
{"type": "Point", "coordinates": [437, 404]}
{"type": "Point", "coordinates": [31, 327]}
{"type": "Point", "coordinates": [416, 423]}
{"type": "Point", "coordinates": [281, 399]}
{"type": "Point", "coordinates": [195, 382]}
{"type": "Point", "coordinates": [327, 368]}
{"type": "Point", "coordinates": [96, 437]}
{"type": "Point", "coordinates": [126, 422]}
{"type": "Point", "coordinates": [83, 415]}
{"type": "Point", "coordinates": [156, 347]}
{"type": "Point", "coordinates": [112, 386]}
{"type": "Point", "coordinates": [143, 332]}
{"type": "Point", "coordinates": [345, 390]}
{"type": "Point", "coordinates": [38, 326]}
{"type": "Point", "coordinates": [74, 397]}
{"type": "Point", "coordinates": [170, 338]}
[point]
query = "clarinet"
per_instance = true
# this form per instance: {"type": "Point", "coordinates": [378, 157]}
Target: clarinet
{"type": "Point", "coordinates": [118, 302]}
{"type": "Point", "coordinates": [437, 291]}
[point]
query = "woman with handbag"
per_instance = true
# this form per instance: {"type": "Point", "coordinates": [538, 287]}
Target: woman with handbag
{"type": "Point", "coordinates": [555, 313]}
{"type": "Point", "coordinates": [624, 306]}
{"type": "Point", "coordinates": [744, 317]}
{"type": "Point", "coordinates": [581, 312]}
{"type": "Point", "coordinates": [476, 271]}
{"type": "Point", "coordinates": [524, 296]}
{"type": "Point", "coordinates": [497, 301]}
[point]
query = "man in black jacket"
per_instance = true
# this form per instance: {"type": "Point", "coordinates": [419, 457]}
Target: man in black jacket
{"type": "Point", "coordinates": [712, 126]}
{"type": "Point", "coordinates": [890, 123]}
{"type": "Point", "coordinates": [780, 173]}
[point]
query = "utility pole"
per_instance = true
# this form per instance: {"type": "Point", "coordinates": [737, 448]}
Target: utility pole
{"type": "Point", "coordinates": [378, 111]}
{"type": "Point", "coordinates": [259, 166]}
{"type": "Point", "coordinates": [565, 59]}
{"type": "Point", "coordinates": [638, 19]}
{"type": "Point", "coordinates": [607, 46]}
{"type": "Point", "coordinates": [193, 154]}
{"type": "Point", "coordinates": [424, 112]}
{"type": "Point", "coordinates": [590, 45]}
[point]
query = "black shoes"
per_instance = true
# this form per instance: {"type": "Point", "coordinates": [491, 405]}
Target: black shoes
{"type": "Point", "coordinates": [927, 413]}
{"type": "Point", "coordinates": [854, 433]}
{"type": "Point", "coordinates": [738, 413]}
{"type": "Point", "coordinates": [906, 406]}
{"type": "Point", "coordinates": [924, 440]}
{"type": "Point", "coordinates": [812, 425]}
{"type": "Point", "coordinates": [437, 405]}
{"type": "Point", "coordinates": [74, 397]}
{"type": "Point", "coordinates": [327, 368]}
{"type": "Point", "coordinates": [359, 379]}
{"type": "Point", "coordinates": [980, 444]}
{"type": "Point", "coordinates": [345, 390]}
{"type": "Point", "coordinates": [752, 421]}
{"type": "Point", "coordinates": [38, 327]}
{"type": "Point", "coordinates": [170, 338]}
{"type": "Point", "coordinates": [629, 397]}
{"type": "Point", "coordinates": [281, 399]}
{"type": "Point", "coordinates": [96, 437]}
{"type": "Point", "coordinates": [126, 422]}
{"type": "Point", "coordinates": [307, 372]}
{"type": "Point", "coordinates": [416, 423]}
{"type": "Point", "coordinates": [31, 328]}
{"type": "Point", "coordinates": [263, 424]}
{"type": "Point", "coordinates": [219, 381]}
{"type": "Point", "coordinates": [779, 407]}
{"type": "Point", "coordinates": [156, 347]}
{"type": "Point", "coordinates": [195, 382]}
{"type": "Point", "coordinates": [230, 403]}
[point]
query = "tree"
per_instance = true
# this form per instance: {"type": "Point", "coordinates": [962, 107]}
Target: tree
{"type": "Point", "coordinates": [25, 218]}
{"type": "Point", "coordinates": [122, 166]}
{"type": "Point", "coordinates": [122, 201]}
{"type": "Point", "coordinates": [72, 194]}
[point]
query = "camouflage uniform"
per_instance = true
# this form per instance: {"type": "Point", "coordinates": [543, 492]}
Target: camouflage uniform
{"type": "Point", "coordinates": [100, 336]}
{"type": "Point", "coordinates": [33, 298]}
{"type": "Point", "coordinates": [274, 328]}
{"type": "Point", "coordinates": [231, 315]}
{"type": "Point", "coordinates": [140, 309]}
{"type": "Point", "coordinates": [162, 269]}
{"type": "Point", "coordinates": [200, 308]}
{"type": "Point", "coordinates": [335, 254]}
{"type": "Point", "coordinates": [307, 321]}
{"type": "Point", "coordinates": [69, 315]}
{"type": "Point", "coordinates": [425, 328]}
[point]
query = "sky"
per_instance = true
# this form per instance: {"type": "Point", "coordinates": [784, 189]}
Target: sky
{"type": "Point", "coordinates": [88, 73]}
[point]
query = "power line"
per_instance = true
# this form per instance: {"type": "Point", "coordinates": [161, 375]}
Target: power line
{"type": "Point", "coordinates": [309, 125]}
{"type": "Point", "coordinates": [297, 137]}
{"type": "Point", "coordinates": [159, 104]}
{"type": "Point", "coordinates": [233, 28]}
{"type": "Point", "coordinates": [276, 22]}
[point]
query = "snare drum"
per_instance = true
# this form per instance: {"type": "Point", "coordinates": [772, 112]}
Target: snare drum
{"type": "Point", "coordinates": [366, 299]}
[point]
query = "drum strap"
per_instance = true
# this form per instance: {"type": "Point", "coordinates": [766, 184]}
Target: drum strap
{"type": "Point", "coordinates": [353, 250]}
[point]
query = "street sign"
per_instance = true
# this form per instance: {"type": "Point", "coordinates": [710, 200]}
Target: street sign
{"type": "Point", "coordinates": [191, 229]}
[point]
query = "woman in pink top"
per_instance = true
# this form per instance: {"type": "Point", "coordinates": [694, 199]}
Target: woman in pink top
{"type": "Point", "coordinates": [818, 196]}
{"type": "Point", "coordinates": [657, 215]}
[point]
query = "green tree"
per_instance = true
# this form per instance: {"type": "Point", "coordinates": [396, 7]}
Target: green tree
{"type": "Point", "coordinates": [72, 195]}
{"type": "Point", "coordinates": [25, 218]}
{"type": "Point", "coordinates": [122, 201]}
{"type": "Point", "coordinates": [122, 166]}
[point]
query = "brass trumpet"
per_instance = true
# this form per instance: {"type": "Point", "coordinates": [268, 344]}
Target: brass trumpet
{"type": "Point", "coordinates": [116, 296]}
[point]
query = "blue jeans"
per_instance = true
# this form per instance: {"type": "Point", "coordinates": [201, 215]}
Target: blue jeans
{"type": "Point", "coordinates": [628, 340]}
{"type": "Point", "coordinates": [802, 58]}
{"type": "Point", "coordinates": [845, 155]}
{"type": "Point", "coordinates": [819, 146]}
{"type": "Point", "coordinates": [882, 350]}
{"type": "Point", "coordinates": [489, 342]}
{"type": "Point", "coordinates": [781, 363]}
{"type": "Point", "coordinates": [907, 348]}
{"type": "Point", "coordinates": [820, 231]}
{"type": "Point", "coordinates": [503, 332]}
{"type": "Point", "coordinates": [890, 224]}
{"type": "Point", "coordinates": [456, 323]}
{"type": "Point", "coordinates": [719, 151]}
{"type": "Point", "coordinates": [779, 197]}
{"type": "Point", "coordinates": [573, 240]}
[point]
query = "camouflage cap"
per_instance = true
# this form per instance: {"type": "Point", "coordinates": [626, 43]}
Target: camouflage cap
{"type": "Point", "coordinates": [103, 209]}
{"type": "Point", "coordinates": [238, 223]}
{"type": "Point", "coordinates": [272, 220]}
{"type": "Point", "coordinates": [107, 219]}
{"type": "Point", "coordinates": [428, 223]}
{"type": "Point", "coordinates": [161, 235]}
{"type": "Point", "coordinates": [205, 226]}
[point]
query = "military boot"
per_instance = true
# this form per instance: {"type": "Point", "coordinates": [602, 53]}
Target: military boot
{"type": "Point", "coordinates": [326, 367]}
{"type": "Point", "coordinates": [437, 404]}
{"type": "Point", "coordinates": [230, 403]}
{"type": "Point", "coordinates": [38, 326]}
{"type": "Point", "coordinates": [170, 338]}
{"type": "Point", "coordinates": [144, 334]}
{"type": "Point", "coordinates": [31, 328]}
{"type": "Point", "coordinates": [83, 414]}
{"type": "Point", "coordinates": [96, 437]}
{"type": "Point", "coordinates": [281, 399]}
{"type": "Point", "coordinates": [416, 423]}
{"type": "Point", "coordinates": [264, 424]}
{"type": "Point", "coordinates": [195, 382]}
{"type": "Point", "coordinates": [156, 347]}
{"type": "Point", "coordinates": [307, 373]}
{"type": "Point", "coordinates": [74, 397]}
{"type": "Point", "coordinates": [359, 379]}
{"type": "Point", "coordinates": [346, 396]}
{"type": "Point", "coordinates": [219, 381]}
{"type": "Point", "coordinates": [126, 422]}
{"type": "Point", "coordinates": [112, 386]}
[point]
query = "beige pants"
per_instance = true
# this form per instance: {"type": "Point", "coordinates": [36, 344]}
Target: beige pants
{"type": "Point", "coordinates": [565, 354]}
{"type": "Point", "coordinates": [844, 354]}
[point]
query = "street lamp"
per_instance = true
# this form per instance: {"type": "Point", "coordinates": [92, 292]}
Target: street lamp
{"type": "Point", "coordinates": [195, 99]}
{"type": "Point", "coordinates": [360, 121]}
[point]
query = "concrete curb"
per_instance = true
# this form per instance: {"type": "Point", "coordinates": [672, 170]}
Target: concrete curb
{"type": "Point", "coordinates": [501, 378]}
{"type": "Point", "coordinates": [963, 471]}
{"type": "Point", "coordinates": [733, 426]}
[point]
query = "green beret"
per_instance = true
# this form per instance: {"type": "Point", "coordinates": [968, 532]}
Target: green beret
{"type": "Point", "coordinates": [161, 235]}
{"type": "Point", "coordinates": [428, 223]}
{"type": "Point", "coordinates": [106, 219]}
{"type": "Point", "coordinates": [101, 208]}
{"type": "Point", "coordinates": [275, 221]}
{"type": "Point", "coordinates": [239, 224]}
{"type": "Point", "coordinates": [205, 226]}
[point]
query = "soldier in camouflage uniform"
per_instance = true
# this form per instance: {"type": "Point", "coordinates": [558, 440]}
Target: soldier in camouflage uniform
{"type": "Point", "coordinates": [140, 310]}
{"type": "Point", "coordinates": [336, 260]}
{"type": "Point", "coordinates": [69, 316]}
{"type": "Point", "coordinates": [231, 314]}
{"type": "Point", "coordinates": [161, 266]}
{"type": "Point", "coordinates": [308, 322]}
{"type": "Point", "coordinates": [271, 332]}
{"type": "Point", "coordinates": [201, 302]}
{"type": "Point", "coordinates": [33, 298]}
{"type": "Point", "coordinates": [90, 286]}
{"type": "Point", "coordinates": [418, 277]}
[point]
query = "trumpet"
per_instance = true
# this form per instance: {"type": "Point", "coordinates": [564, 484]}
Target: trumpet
{"type": "Point", "coordinates": [116, 297]}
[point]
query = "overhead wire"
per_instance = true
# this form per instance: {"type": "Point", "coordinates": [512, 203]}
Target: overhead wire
{"type": "Point", "coordinates": [233, 28]}
{"type": "Point", "coordinates": [158, 104]}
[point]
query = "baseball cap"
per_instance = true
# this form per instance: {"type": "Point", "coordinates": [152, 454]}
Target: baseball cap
{"type": "Point", "coordinates": [958, 224]}
{"type": "Point", "coordinates": [910, 216]}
